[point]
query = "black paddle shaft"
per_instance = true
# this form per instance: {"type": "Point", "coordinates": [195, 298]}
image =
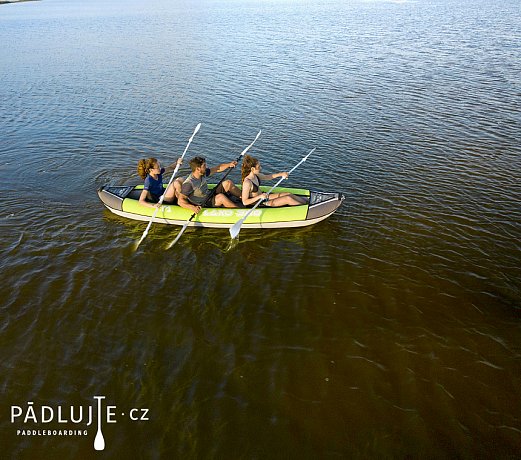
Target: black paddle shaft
{"type": "Point", "coordinates": [212, 192]}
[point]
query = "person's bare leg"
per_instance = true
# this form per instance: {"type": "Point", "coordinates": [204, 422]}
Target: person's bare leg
{"type": "Point", "coordinates": [300, 199]}
{"type": "Point", "coordinates": [169, 194]}
{"type": "Point", "coordinates": [222, 200]}
{"type": "Point", "coordinates": [289, 199]}
{"type": "Point", "coordinates": [230, 187]}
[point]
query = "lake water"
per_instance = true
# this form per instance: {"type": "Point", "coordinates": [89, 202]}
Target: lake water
{"type": "Point", "coordinates": [390, 330]}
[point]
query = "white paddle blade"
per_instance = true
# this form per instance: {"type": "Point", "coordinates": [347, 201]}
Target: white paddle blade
{"type": "Point", "coordinates": [177, 237]}
{"type": "Point", "coordinates": [236, 228]}
{"type": "Point", "coordinates": [256, 137]}
{"type": "Point", "coordinates": [99, 441]}
{"type": "Point", "coordinates": [251, 145]}
{"type": "Point", "coordinates": [143, 236]}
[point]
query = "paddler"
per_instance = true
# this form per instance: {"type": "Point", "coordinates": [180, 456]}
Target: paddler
{"type": "Point", "coordinates": [151, 171]}
{"type": "Point", "coordinates": [251, 180]}
{"type": "Point", "coordinates": [194, 190]}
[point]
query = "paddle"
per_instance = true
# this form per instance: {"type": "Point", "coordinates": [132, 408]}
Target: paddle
{"type": "Point", "coordinates": [210, 195]}
{"type": "Point", "coordinates": [236, 228]}
{"type": "Point", "coordinates": [99, 440]}
{"type": "Point", "coordinates": [145, 233]}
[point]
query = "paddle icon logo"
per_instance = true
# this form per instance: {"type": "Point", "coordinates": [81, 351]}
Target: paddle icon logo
{"type": "Point", "coordinates": [99, 440]}
{"type": "Point", "coordinates": [71, 421]}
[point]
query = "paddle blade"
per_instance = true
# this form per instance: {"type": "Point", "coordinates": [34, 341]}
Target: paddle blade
{"type": "Point", "coordinates": [99, 441]}
{"type": "Point", "coordinates": [236, 228]}
{"type": "Point", "coordinates": [169, 245]}
{"type": "Point", "coordinates": [232, 244]}
{"type": "Point", "coordinates": [143, 236]}
{"type": "Point", "coordinates": [136, 244]}
{"type": "Point", "coordinates": [249, 146]}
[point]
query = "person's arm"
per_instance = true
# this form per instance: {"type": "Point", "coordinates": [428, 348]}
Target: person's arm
{"type": "Point", "coordinates": [245, 196]}
{"type": "Point", "coordinates": [171, 167]}
{"type": "Point", "coordinates": [143, 200]}
{"type": "Point", "coordinates": [222, 167]}
{"type": "Point", "coordinates": [273, 176]}
{"type": "Point", "coordinates": [185, 203]}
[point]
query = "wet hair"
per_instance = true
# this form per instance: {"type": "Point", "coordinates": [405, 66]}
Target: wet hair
{"type": "Point", "coordinates": [196, 162]}
{"type": "Point", "coordinates": [144, 166]}
{"type": "Point", "coordinates": [248, 163]}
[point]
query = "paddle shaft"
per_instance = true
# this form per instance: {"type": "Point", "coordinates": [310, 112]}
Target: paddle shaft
{"type": "Point", "coordinates": [162, 197]}
{"type": "Point", "coordinates": [205, 202]}
{"type": "Point", "coordinates": [212, 193]}
{"type": "Point", "coordinates": [236, 228]}
{"type": "Point", "coordinates": [214, 190]}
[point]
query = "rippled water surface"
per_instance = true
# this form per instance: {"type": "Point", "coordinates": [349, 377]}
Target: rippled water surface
{"type": "Point", "coordinates": [392, 329]}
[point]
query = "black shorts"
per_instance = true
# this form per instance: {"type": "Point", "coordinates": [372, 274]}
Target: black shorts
{"type": "Point", "coordinates": [211, 203]}
{"type": "Point", "coordinates": [155, 199]}
{"type": "Point", "coordinates": [208, 205]}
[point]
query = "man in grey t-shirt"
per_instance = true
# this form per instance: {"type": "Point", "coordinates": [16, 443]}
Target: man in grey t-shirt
{"type": "Point", "coordinates": [195, 188]}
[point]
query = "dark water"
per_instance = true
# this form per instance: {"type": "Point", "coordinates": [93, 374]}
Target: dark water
{"type": "Point", "coordinates": [392, 329]}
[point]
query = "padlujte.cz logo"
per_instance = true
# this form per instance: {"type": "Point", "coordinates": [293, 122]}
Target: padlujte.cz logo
{"type": "Point", "coordinates": [31, 419]}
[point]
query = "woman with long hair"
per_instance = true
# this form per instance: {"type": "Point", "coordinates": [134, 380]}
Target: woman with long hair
{"type": "Point", "coordinates": [151, 172]}
{"type": "Point", "coordinates": [251, 181]}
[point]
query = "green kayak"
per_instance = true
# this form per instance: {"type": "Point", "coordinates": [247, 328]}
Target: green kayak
{"type": "Point", "coordinates": [124, 201]}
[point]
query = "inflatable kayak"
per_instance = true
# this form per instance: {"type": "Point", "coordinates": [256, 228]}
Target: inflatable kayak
{"type": "Point", "coordinates": [124, 201]}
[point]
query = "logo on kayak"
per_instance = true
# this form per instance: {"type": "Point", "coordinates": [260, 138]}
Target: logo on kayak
{"type": "Point", "coordinates": [219, 212]}
{"type": "Point", "coordinates": [77, 418]}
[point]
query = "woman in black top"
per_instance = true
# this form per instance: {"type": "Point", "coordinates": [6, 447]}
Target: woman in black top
{"type": "Point", "coordinates": [251, 180]}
